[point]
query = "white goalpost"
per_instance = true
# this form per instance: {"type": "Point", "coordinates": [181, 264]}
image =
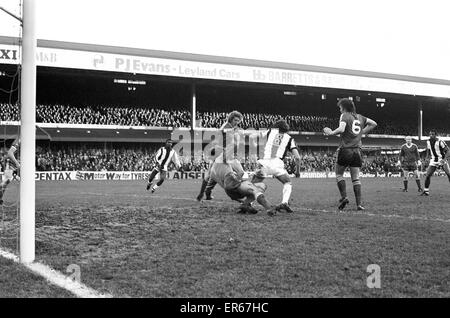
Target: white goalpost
{"type": "Point", "coordinates": [28, 133]}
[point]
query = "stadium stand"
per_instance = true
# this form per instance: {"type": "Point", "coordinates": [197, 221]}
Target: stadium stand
{"type": "Point", "coordinates": [70, 157]}
{"type": "Point", "coordinates": [156, 117]}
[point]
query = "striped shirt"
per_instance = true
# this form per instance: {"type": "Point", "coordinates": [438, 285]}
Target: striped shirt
{"type": "Point", "coordinates": [164, 157]}
{"type": "Point", "coordinates": [278, 144]}
{"type": "Point", "coordinates": [437, 149]}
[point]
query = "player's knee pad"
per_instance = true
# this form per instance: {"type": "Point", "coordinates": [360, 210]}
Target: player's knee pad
{"type": "Point", "coordinates": [356, 182]}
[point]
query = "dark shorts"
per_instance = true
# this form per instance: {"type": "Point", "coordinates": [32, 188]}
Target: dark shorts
{"type": "Point", "coordinates": [349, 157]}
{"type": "Point", "coordinates": [409, 166]}
{"type": "Point", "coordinates": [232, 183]}
{"type": "Point", "coordinates": [235, 194]}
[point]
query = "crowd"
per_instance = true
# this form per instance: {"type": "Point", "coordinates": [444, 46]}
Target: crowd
{"type": "Point", "coordinates": [159, 117]}
{"type": "Point", "coordinates": [308, 123]}
{"type": "Point", "coordinates": [65, 158]}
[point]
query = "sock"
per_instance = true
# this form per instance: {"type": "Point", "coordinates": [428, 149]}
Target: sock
{"type": "Point", "coordinates": [210, 186]}
{"type": "Point", "coordinates": [405, 183]}
{"type": "Point", "coordinates": [287, 189]}
{"type": "Point", "coordinates": [262, 200]}
{"type": "Point", "coordinates": [152, 175]}
{"type": "Point", "coordinates": [342, 188]}
{"type": "Point", "coordinates": [202, 189]}
{"type": "Point", "coordinates": [357, 190]}
{"type": "Point", "coordinates": [427, 183]}
{"type": "Point", "coordinates": [159, 182]}
{"type": "Point", "coordinates": [418, 183]}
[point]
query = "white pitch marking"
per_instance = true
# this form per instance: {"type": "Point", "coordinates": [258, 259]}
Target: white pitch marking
{"type": "Point", "coordinates": [56, 278]}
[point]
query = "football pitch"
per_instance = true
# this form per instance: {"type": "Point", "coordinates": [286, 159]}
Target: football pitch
{"type": "Point", "coordinates": [128, 242]}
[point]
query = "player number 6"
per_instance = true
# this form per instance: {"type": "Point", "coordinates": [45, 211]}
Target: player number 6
{"type": "Point", "coordinates": [356, 127]}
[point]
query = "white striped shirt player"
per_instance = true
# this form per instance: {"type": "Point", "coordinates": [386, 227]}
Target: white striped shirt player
{"type": "Point", "coordinates": [437, 150]}
{"type": "Point", "coordinates": [164, 156]}
{"type": "Point", "coordinates": [278, 143]}
{"type": "Point", "coordinates": [275, 150]}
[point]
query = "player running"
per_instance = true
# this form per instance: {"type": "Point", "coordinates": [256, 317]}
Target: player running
{"type": "Point", "coordinates": [278, 143]}
{"type": "Point", "coordinates": [438, 151]}
{"type": "Point", "coordinates": [11, 167]}
{"type": "Point", "coordinates": [409, 160]}
{"type": "Point", "coordinates": [164, 156]}
{"type": "Point", "coordinates": [351, 128]}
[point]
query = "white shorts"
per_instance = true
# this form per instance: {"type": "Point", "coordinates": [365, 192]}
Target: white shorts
{"type": "Point", "coordinates": [438, 164]}
{"type": "Point", "coordinates": [274, 167]}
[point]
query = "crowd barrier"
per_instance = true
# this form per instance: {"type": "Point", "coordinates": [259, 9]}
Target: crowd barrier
{"type": "Point", "coordinates": [176, 175]}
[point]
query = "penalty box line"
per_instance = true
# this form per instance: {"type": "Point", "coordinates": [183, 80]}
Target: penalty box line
{"type": "Point", "coordinates": [56, 278]}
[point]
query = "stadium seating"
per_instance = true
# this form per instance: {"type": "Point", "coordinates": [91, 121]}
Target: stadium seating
{"type": "Point", "coordinates": [177, 117]}
{"type": "Point", "coordinates": [132, 158]}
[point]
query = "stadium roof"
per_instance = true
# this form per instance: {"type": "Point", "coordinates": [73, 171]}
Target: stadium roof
{"type": "Point", "coordinates": [176, 64]}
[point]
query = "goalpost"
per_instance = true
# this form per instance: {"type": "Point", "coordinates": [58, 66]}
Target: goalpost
{"type": "Point", "coordinates": [28, 133]}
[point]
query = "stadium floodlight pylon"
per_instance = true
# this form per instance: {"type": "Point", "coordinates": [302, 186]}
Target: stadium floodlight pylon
{"type": "Point", "coordinates": [28, 133]}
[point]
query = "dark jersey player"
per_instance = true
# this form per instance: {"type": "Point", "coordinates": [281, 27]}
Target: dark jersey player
{"type": "Point", "coordinates": [352, 127]}
{"type": "Point", "coordinates": [409, 160]}
{"type": "Point", "coordinates": [10, 166]}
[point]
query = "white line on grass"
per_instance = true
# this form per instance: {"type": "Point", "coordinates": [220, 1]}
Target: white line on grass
{"type": "Point", "coordinates": [56, 278]}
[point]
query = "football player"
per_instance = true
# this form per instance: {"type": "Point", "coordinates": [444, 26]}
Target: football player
{"type": "Point", "coordinates": [230, 129]}
{"type": "Point", "coordinates": [409, 160]}
{"type": "Point", "coordinates": [11, 166]}
{"type": "Point", "coordinates": [240, 190]}
{"type": "Point", "coordinates": [437, 152]}
{"type": "Point", "coordinates": [351, 128]}
{"type": "Point", "coordinates": [278, 143]}
{"type": "Point", "coordinates": [164, 156]}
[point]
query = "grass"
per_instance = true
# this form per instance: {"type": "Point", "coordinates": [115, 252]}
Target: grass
{"type": "Point", "coordinates": [131, 243]}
